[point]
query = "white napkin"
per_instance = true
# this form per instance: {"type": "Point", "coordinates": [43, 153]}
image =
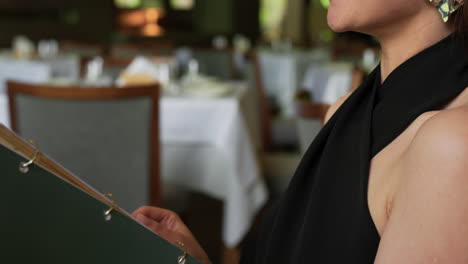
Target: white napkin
{"type": "Point", "coordinates": [204, 86]}
{"type": "Point", "coordinates": [140, 69]}
{"type": "Point", "coordinates": [208, 90]}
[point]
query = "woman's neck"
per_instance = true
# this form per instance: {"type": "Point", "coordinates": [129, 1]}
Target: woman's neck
{"type": "Point", "coordinates": [409, 40]}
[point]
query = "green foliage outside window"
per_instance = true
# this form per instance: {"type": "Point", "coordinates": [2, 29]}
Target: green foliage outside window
{"type": "Point", "coordinates": [131, 4]}
{"type": "Point", "coordinates": [271, 14]}
{"type": "Point", "coordinates": [182, 4]}
{"type": "Point", "coordinates": [127, 3]}
{"type": "Point", "coordinates": [325, 3]}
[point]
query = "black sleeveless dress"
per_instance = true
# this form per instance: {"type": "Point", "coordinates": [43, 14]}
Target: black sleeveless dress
{"type": "Point", "coordinates": [323, 217]}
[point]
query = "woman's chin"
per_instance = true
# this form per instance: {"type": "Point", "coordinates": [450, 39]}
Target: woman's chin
{"type": "Point", "coordinates": [335, 22]}
{"type": "Point", "coordinates": [336, 26]}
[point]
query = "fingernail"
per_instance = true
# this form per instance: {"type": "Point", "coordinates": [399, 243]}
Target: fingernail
{"type": "Point", "coordinates": [143, 219]}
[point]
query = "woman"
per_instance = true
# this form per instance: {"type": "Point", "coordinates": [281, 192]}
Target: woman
{"type": "Point", "coordinates": [386, 180]}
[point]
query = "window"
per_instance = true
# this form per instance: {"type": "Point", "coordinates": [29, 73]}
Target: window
{"type": "Point", "coordinates": [182, 4]}
{"type": "Point", "coordinates": [271, 14]}
{"type": "Point", "coordinates": [127, 3]}
{"type": "Point", "coordinates": [133, 4]}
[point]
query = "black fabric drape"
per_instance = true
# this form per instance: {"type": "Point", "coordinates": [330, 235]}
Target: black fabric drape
{"type": "Point", "coordinates": [323, 217]}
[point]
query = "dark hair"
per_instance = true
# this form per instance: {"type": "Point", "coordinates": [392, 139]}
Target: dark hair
{"type": "Point", "coordinates": [460, 23]}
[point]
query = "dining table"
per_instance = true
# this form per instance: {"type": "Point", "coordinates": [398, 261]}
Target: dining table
{"type": "Point", "coordinates": [206, 147]}
{"type": "Point", "coordinates": [37, 70]}
{"type": "Point", "coordinates": [283, 73]}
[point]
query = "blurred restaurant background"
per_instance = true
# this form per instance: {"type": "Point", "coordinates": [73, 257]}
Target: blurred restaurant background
{"type": "Point", "coordinates": [204, 107]}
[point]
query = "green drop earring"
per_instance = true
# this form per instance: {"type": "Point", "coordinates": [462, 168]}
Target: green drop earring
{"type": "Point", "coordinates": [447, 7]}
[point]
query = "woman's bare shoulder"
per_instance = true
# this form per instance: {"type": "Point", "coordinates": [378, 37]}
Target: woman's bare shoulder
{"type": "Point", "coordinates": [445, 128]}
{"type": "Point", "coordinates": [442, 134]}
{"type": "Point", "coordinates": [428, 222]}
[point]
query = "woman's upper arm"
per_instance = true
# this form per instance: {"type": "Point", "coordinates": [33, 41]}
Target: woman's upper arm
{"type": "Point", "coordinates": [429, 217]}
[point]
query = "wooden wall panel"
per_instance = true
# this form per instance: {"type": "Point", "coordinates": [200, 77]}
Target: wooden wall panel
{"type": "Point", "coordinates": [39, 19]}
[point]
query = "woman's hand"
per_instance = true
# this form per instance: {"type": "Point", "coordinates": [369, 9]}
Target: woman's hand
{"type": "Point", "coordinates": [168, 225]}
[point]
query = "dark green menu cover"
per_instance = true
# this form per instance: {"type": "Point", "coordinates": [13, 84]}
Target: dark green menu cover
{"type": "Point", "coordinates": [45, 218]}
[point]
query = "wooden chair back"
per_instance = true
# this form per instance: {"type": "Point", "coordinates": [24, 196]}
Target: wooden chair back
{"type": "Point", "coordinates": [59, 106]}
{"type": "Point", "coordinates": [309, 110]}
{"type": "Point", "coordinates": [262, 101]}
{"type": "Point", "coordinates": [214, 62]}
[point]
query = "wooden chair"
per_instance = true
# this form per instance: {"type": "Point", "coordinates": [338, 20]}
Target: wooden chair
{"type": "Point", "coordinates": [108, 136]}
{"type": "Point", "coordinates": [311, 111]}
{"type": "Point", "coordinates": [85, 50]}
{"type": "Point", "coordinates": [213, 62]}
{"type": "Point", "coordinates": [358, 77]}
{"type": "Point", "coordinates": [311, 116]}
{"type": "Point", "coordinates": [273, 162]}
{"type": "Point", "coordinates": [255, 81]}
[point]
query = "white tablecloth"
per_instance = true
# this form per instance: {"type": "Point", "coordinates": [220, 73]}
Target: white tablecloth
{"type": "Point", "coordinates": [206, 148]}
{"type": "Point", "coordinates": [23, 71]}
{"type": "Point", "coordinates": [283, 74]}
{"type": "Point", "coordinates": [37, 71]}
{"type": "Point", "coordinates": [328, 82]}
{"type": "Point", "coordinates": [4, 112]}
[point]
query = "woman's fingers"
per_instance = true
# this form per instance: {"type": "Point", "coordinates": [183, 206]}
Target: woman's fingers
{"type": "Point", "coordinates": [168, 225]}
{"type": "Point", "coordinates": [158, 228]}
{"type": "Point", "coordinates": [173, 237]}
{"type": "Point", "coordinates": [145, 220]}
{"type": "Point", "coordinates": [155, 213]}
